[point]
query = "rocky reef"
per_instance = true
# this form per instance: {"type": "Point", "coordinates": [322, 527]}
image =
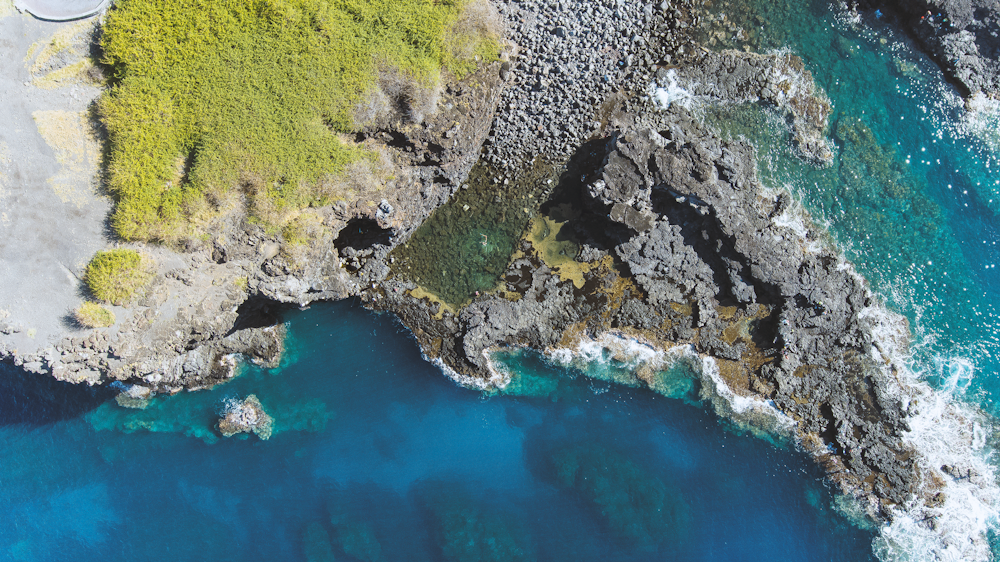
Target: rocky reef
{"type": "Point", "coordinates": [465, 530]}
{"type": "Point", "coordinates": [637, 507]}
{"type": "Point", "coordinates": [245, 416]}
{"type": "Point", "coordinates": [692, 251]}
{"type": "Point", "coordinates": [961, 35]}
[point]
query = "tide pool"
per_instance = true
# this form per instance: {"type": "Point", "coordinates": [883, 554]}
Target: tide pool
{"type": "Point", "coordinates": [377, 456]}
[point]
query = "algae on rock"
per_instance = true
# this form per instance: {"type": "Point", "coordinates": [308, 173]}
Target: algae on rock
{"type": "Point", "coordinates": [465, 245]}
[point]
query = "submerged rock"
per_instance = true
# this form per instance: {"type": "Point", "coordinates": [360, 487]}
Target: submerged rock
{"type": "Point", "coordinates": [780, 80]}
{"type": "Point", "coordinates": [638, 507]}
{"type": "Point", "coordinates": [134, 396]}
{"type": "Point", "coordinates": [466, 532]}
{"type": "Point", "coordinates": [357, 539]}
{"type": "Point", "coordinates": [247, 416]}
{"type": "Point", "coordinates": [316, 544]}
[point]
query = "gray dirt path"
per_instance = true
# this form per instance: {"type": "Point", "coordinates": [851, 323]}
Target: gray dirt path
{"type": "Point", "coordinates": [52, 218]}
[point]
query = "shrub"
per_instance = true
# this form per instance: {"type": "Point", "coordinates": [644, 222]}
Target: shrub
{"type": "Point", "coordinates": [115, 275]}
{"type": "Point", "coordinates": [93, 315]}
{"type": "Point", "coordinates": [257, 88]}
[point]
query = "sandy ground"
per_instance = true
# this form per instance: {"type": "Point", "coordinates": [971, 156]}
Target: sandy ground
{"type": "Point", "coordinates": [52, 214]}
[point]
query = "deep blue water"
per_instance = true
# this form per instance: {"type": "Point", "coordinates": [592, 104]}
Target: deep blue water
{"type": "Point", "coordinates": [373, 442]}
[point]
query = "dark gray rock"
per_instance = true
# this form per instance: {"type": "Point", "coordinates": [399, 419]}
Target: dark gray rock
{"type": "Point", "coordinates": [962, 36]}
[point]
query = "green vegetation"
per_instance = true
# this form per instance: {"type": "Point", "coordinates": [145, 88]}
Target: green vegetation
{"type": "Point", "coordinates": [116, 275]}
{"type": "Point", "coordinates": [464, 246]}
{"type": "Point", "coordinates": [303, 229]}
{"type": "Point", "coordinates": [93, 315]}
{"type": "Point", "coordinates": [212, 100]}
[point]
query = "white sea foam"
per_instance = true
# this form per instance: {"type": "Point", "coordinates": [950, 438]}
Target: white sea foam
{"type": "Point", "coordinates": [499, 378]}
{"type": "Point", "coordinates": [672, 92]}
{"type": "Point", "coordinates": [797, 219]}
{"type": "Point", "coordinates": [949, 438]}
{"type": "Point", "coordinates": [945, 434]}
{"type": "Point", "coordinates": [635, 356]}
{"type": "Point", "coordinates": [981, 118]}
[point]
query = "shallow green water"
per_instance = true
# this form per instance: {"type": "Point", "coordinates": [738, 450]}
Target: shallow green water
{"type": "Point", "coordinates": [465, 245]}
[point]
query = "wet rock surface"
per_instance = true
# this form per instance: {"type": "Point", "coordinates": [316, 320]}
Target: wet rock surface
{"type": "Point", "coordinates": [963, 36]}
{"type": "Point", "coordinates": [245, 416]}
{"type": "Point", "coordinates": [820, 341]}
{"type": "Point", "coordinates": [779, 80]}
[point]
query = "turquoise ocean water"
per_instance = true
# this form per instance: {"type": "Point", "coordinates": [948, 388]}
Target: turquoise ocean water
{"type": "Point", "coordinates": [376, 455]}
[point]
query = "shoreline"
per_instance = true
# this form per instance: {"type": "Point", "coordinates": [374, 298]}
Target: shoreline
{"type": "Point", "coordinates": [802, 332]}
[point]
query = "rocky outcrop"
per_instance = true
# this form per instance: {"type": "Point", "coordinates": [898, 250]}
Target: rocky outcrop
{"type": "Point", "coordinates": [668, 240]}
{"type": "Point", "coordinates": [780, 80]}
{"type": "Point", "coordinates": [245, 416]}
{"type": "Point", "coordinates": [221, 294]}
{"type": "Point", "coordinates": [821, 373]}
{"type": "Point", "coordinates": [574, 65]}
{"type": "Point", "coordinates": [695, 252]}
{"type": "Point", "coordinates": [963, 36]}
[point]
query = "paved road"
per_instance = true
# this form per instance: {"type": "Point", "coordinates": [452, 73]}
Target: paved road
{"type": "Point", "coordinates": [61, 10]}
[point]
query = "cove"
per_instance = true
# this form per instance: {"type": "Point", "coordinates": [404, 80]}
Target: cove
{"type": "Point", "coordinates": [376, 456]}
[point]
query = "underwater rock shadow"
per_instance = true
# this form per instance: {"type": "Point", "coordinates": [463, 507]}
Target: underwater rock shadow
{"type": "Point", "coordinates": [468, 527]}
{"type": "Point", "coordinates": [37, 400]}
{"type": "Point", "coordinates": [634, 505]}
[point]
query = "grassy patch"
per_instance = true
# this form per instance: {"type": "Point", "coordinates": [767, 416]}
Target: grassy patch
{"type": "Point", "coordinates": [93, 315]}
{"type": "Point", "coordinates": [116, 275]}
{"type": "Point", "coordinates": [211, 99]}
{"type": "Point", "coordinates": [303, 229]}
{"type": "Point", "coordinates": [76, 150]}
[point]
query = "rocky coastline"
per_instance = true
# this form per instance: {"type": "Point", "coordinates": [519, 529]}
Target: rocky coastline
{"type": "Point", "coordinates": [700, 255]}
{"type": "Point", "coordinates": [667, 239]}
{"type": "Point", "coordinates": [962, 36]}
